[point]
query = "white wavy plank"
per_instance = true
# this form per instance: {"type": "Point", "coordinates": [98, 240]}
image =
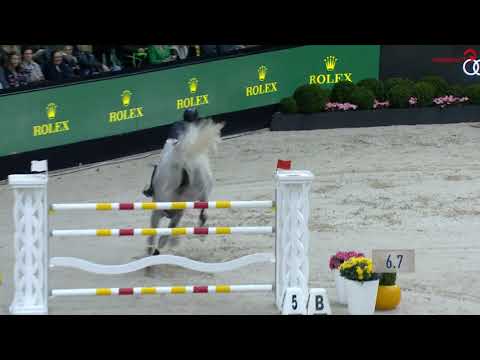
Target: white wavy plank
{"type": "Point", "coordinates": [187, 263]}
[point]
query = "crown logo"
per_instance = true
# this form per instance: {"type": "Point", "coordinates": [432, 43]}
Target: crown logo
{"type": "Point", "coordinates": [330, 62]}
{"type": "Point", "coordinates": [126, 97]}
{"type": "Point", "coordinates": [193, 85]}
{"type": "Point", "coordinates": [51, 111]}
{"type": "Point", "coordinates": [262, 73]}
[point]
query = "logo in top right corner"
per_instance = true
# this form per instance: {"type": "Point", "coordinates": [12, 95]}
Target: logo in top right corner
{"type": "Point", "coordinates": [471, 65]}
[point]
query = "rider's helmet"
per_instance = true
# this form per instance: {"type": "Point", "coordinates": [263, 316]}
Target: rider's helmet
{"type": "Point", "coordinates": [190, 115]}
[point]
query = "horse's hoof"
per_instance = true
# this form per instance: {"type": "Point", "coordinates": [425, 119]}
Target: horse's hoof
{"type": "Point", "coordinates": [156, 252]}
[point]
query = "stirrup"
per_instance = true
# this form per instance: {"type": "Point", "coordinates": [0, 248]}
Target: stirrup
{"type": "Point", "coordinates": [148, 192]}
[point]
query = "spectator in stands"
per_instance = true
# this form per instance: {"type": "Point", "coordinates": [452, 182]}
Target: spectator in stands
{"type": "Point", "coordinates": [3, 79]}
{"type": "Point", "coordinates": [130, 55]}
{"type": "Point", "coordinates": [208, 50]}
{"type": "Point", "coordinates": [11, 48]}
{"type": "Point", "coordinates": [43, 53]}
{"type": "Point", "coordinates": [34, 71]}
{"type": "Point", "coordinates": [104, 54]}
{"type": "Point", "coordinates": [57, 70]}
{"type": "Point", "coordinates": [41, 56]}
{"type": "Point", "coordinates": [3, 56]}
{"type": "Point", "coordinates": [70, 59]}
{"type": "Point", "coordinates": [89, 65]}
{"type": "Point", "coordinates": [193, 51]}
{"type": "Point", "coordinates": [181, 51]}
{"type": "Point", "coordinates": [217, 50]}
{"type": "Point", "coordinates": [228, 49]}
{"type": "Point", "coordinates": [3, 60]}
{"type": "Point", "coordinates": [158, 54]}
{"type": "Point", "coordinates": [15, 74]}
{"type": "Point", "coordinates": [140, 57]}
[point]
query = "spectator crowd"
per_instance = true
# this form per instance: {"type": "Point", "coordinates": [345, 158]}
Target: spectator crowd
{"type": "Point", "coordinates": [25, 66]}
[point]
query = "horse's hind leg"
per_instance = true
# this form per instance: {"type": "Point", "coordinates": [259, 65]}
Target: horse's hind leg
{"type": "Point", "coordinates": [174, 221]}
{"type": "Point", "coordinates": [203, 213]}
{"type": "Point", "coordinates": [203, 218]}
{"type": "Point", "coordinates": [154, 221]}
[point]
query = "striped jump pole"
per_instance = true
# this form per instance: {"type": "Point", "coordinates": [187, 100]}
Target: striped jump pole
{"type": "Point", "coordinates": [166, 231]}
{"type": "Point", "coordinates": [163, 205]}
{"type": "Point", "coordinates": [215, 289]}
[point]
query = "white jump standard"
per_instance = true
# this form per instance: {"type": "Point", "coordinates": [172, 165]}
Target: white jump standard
{"type": "Point", "coordinates": [32, 261]}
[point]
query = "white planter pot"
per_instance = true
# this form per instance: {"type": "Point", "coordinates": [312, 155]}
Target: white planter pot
{"type": "Point", "coordinates": [361, 296]}
{"type": "Point", "coordinates": [341, 287]}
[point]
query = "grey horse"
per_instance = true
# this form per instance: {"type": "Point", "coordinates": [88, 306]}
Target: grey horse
{"type": "Point", "coordinates": [183, 173]}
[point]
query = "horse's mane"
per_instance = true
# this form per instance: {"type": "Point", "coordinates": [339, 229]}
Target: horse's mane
{"type": "Point", "coordinates": [191, 153]}
{"type": "Point", "coordinates": [200, 138]}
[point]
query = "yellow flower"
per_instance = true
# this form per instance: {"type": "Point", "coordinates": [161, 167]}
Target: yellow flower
{"type": "Point", "coordinates": [359, 271]}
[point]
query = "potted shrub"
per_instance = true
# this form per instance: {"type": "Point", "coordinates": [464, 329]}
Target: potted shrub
{"type": "Point", "coordinates": [473, 92]}
{"type": "Point", "coordinates": [399, 95]}
{"type": "Point", "coordinates": [440, 85]}
{"type": "Point", "coordinates": [341, 91]}
{"type": "Point", "coordinates": [424, 93]}
{"type": "Point", "coordinates": [391, 82]}
{"type": "Point", "coordinates": [335, 261]}
{"type": "Point", "coordinates": [363, 98]}
{"type": "Point", "coordinates": [375, 86]}
{"type": "Point", "coordinates": [362, 285]}
{"type": "Point", "coordinates": [310, 98]}
{"type": "Point", "coordinates": [288, 105]}
{"type": "Point", "coordinates": [389, 294]}
{"type": "Point", "coordinates": [457, 90]}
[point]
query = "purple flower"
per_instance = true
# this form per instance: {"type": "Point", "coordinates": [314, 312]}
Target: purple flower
{"type": "Point", "coordinates": [342, 256]}
{"type": "Point", "coordinates": [340, 106]}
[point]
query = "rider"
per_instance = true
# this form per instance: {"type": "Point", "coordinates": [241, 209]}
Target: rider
{"type": "Point", "coordinates": [190, 116]}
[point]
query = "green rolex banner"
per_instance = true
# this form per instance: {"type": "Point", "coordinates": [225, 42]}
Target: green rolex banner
{"type": "Point", "coordinates": [67, 114]}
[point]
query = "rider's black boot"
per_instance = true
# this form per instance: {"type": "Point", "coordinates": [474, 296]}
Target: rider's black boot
{"type": "Point", "coordinates": [149, 191]}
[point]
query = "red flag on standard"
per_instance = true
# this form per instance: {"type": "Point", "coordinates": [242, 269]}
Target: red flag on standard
{"type": "Point", "coordinates": [284, 164]}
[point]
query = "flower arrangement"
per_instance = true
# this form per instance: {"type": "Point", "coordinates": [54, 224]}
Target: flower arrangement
{"type": "Point", "coordinates": [358, 269]}
{"type": "Point", "coordinates": [341, 256]}
{"type": "Point", "coordinates": [381, 104]}
{"type": "Point", "coordinates": [449, 100]}
{"type": "Point", "coordinates": [373, 94]}
{"type": "Point", "coordinates": [336, 106]}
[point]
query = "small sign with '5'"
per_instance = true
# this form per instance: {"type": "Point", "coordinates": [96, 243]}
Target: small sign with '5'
{"type": "Point", "coordinates": [392, 261]}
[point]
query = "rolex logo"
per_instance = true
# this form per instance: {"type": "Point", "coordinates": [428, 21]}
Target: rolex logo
{"type": "Point", "coordinates": [193, 85]}
{"type": "Point", "coordinates": [51, 111]}
{"type": "Point", "coordinates": [126, 97]}
{"type": "Point", "coordinates": [330, 62]}
{"type": "Point", "coordinates": [262, 73]}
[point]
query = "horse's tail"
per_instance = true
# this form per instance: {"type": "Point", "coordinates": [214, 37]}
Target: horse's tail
{"type": "Point", "coordinates": [202, 138]}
